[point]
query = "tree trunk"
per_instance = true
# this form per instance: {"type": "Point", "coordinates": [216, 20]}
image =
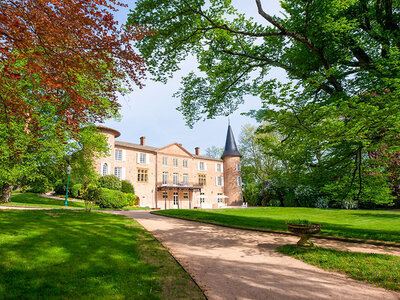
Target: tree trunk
{"type": "Point", "coordinates": [6, 192]}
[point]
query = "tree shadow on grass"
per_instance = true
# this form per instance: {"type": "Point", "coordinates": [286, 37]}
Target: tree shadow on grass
{"type": "Point", "coordinates": [68, 254]}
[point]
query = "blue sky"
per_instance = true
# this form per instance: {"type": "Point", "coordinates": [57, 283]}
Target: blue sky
{"type": "Point", "coordinates": [151, 111]}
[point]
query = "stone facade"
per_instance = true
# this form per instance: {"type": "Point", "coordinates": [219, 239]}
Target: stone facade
{"type": "Point", "coordinates": [171, 176]}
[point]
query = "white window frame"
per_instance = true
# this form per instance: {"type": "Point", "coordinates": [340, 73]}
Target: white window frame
{"type": "Point", "coordinates": [219, 181]}
{"type": "Point", "coordinates": [175, 162]}
{"type": "Point", "coordinates": [176, 199]}
{"type": "Point", "coordinates": [118, 154]}
{"type": "Point", "coordinates": [219, 198]}
{"type": "Point", "coordinates": [185, 178]}
{"type": "Point", "coordinates": [202, 166]}
{"type": "Point", "coordinates": [238, 167]}
{"type": "Point", "coordinates": [219, 168]}
{"type": "Point", "coordinates": [202, 198]}
{"type": "Point", "coordinates": [142, 158]}
{"type": "Point", "coordinates": [104, 165]}
{"type": "Point", "coordinates": [175, 178]}
{"type": "Point", "coordinates": [165, 161]}
{"type": "Point", "coordinates": [239, 181]}
{"type": "Point", "coordinates": [118, 172]}
{"type": "Point", "coordinates": [185, 163]}
{"type": "Point", "coordinates": [165, 177]}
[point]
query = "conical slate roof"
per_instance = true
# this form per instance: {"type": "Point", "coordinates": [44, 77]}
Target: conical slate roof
{"type": "Point", "coordinates": [230, 144]}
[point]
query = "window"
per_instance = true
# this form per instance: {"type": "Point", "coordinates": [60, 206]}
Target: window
{"type": "Point", "coordinates": [185, 178]}
{"type": "Point", "coordinates": [175, 178]}
{"type": "Point", "coordinates": [219, 197]}
{"type": "Point", "coordinates": [118, 154]}
{"type": "Point", "coordinates": [165, 195]}
{"type": "Point", "coordinates": [175, 162]}
{"type": "Point", "coordinates": [176, 198]}
{"type": "Point", "coordinates": [202, 166]}
{"type": "Point", "coordinates": [185, 163]}
{"type": "Point", "coordinates": [202, 198]}
{"type": "Point", "coordinates": [164, 178]}
{"type": "Point", "coordinates": [165, 161]}
{"type": "Point", "coordinates": [142, 158]}
{"type": "Point", "coordinates": [142, 175]}
{"type": "Point", "coordinates": [185, 195]}
{"type": "Point", "coordinates": [219, 181]}
{"type": "Point", "coordinates": [118, 172]}
{"type": "Point", "coordinates": [237, 167]}
{"type": "Point", "coordinates": [239, 181]}
{"type": "Point", "coordinates": [202, 179]}
{"type": "Point", "coordinates": [104, 172]}
{"type": "Point", "coordinates": [218, 167]}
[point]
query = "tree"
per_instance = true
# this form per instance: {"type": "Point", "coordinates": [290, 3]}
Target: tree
{"type": "Point", "coordinates": [342, 62]}
{"type": "Point", "coordinates": [62, 65]}
{"type": "Point", "coordinates": [214, 152]}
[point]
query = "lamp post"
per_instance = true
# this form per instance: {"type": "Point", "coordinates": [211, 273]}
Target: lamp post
{"type": "Point", "coordinates": [66, 194]}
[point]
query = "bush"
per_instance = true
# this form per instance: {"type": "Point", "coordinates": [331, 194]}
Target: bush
{"type": "Point", "coordinates": [127, 187]}
{"type": "Point", "coordinates": [111, 199]}
{"type": "Point", "coordinates": [110, 182]}
{"type": "Point", "coordinates": [91, 196]}
{"type": "Point", "coordinates": [60, 187]}
{"type": "Point", "coordinates": [76, 190]}
{"type": "Point", "coordinates": [130, 199]}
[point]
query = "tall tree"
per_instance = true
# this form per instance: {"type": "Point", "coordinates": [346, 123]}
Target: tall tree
{"type": "Point", "coordinates": [214, 151]}
{"type": "Point", "coordinates": [62, 65]}
{"type": "Point", "coordinates": [342, 61]}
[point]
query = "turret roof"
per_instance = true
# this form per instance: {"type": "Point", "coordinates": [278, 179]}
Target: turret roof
{"type": "Point", "coordinates": [230, 144]}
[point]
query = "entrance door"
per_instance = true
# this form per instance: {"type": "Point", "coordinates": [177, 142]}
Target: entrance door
{"type": "Point", "coordinates": [176, 201]}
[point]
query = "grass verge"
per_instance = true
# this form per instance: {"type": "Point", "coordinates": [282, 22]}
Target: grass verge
{"type": "Point", "coordinates": [361, 224]}
{"type": "Point", "coordinates": [33, 200]}
{"type": "Point", "coordinates": [71, 254]}
{"type": "Point", "coordinates": [378, 269]}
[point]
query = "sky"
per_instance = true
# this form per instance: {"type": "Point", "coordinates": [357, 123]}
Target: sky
{"type": "Point", "coordinates": [151, 111]}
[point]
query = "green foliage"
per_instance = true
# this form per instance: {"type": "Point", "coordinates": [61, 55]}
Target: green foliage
{"type": "Point", "coordinates": [111, 182]}
{"type": "Point", "coordinates": [130, 199]}
{"type": "Point", "coordinates": [111, 198]}
{"type": "Point", "coordinates": [333, 126]}
{"type": "Point", "coordinates": [39, 185]}
{"type": "Point", "coordinates": [298, 222]}
{"type": "Point", "coordinates": [127, 187]}
{"type": "Point", "coordinates": [76, 190]}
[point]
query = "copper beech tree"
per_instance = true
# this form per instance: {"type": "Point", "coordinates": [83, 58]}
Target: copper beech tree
{"type": "Point", "coordinates": [62, 65]}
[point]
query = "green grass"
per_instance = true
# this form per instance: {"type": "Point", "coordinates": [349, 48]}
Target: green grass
{"type": "Point", "coordinates": [379, 269]}
{"type": "Point", "coordinates": [71, 254]}
{"type": "Point", "coordinates": [33, 200]}
{"type": "Point", "coordinates": [362, 224]}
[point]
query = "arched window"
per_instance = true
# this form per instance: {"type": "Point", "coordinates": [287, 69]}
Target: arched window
{"type": "Point", "coordinates": [105, 169]}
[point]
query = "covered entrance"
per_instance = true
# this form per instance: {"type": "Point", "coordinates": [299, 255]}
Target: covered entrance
{"type": "Point", "coordinates": [176, 196]}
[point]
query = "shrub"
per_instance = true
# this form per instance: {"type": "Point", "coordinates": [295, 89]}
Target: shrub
{"type": "Point", "coordinates": [110, 182]}
{"type": "Point", "coordinates": [127, 187]}
{"type": "Point", "coordinates": [60, 187]}
{"type": "Point", "coordinates": [91, 196]}
{"type": "Point", "coordinates": [40, 185]}
{"type": "Point", "coordinates": [111, 199]}
{"type": "Point", "coordinates": [130, 199]}
{"type": "Point", "coordinates": [76, 190]}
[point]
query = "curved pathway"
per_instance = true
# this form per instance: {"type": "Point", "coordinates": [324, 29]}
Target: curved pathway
{"type": "Point", "coordinates": [231, 263]}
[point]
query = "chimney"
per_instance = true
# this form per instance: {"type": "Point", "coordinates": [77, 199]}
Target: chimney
{"type": "Point", "coordinates": [197, 149]}
{"type": "Point", "coordinates": [143, 140]}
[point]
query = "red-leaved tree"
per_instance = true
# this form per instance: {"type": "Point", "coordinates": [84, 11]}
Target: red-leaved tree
{"type": "Point", "coordinates": [62, 65]}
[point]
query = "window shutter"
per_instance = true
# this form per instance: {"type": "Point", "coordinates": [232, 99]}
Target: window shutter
{"type": "Point", "coordinates": [198, 165]}
{"type": "Point", "coordinates": [205, 166]}
{"type": "Point", "coordinates": [216, 181]}
{"type": "Point", "coordinates": [101, 168]}
{"type": "Point", "coordinates": [222, 180]}
{"type": "Point", "coordinates": [216, 167]}
{"type": "Point", "coordinates": [138, 157]}
{"type": "Point", "coordinates": [147, 158]}
{"type": "Point", "coordinates": [108, 169]}
{"type": "Point", "coordinates": [123, 174]}
{"type": "Point", "coordinates": [123, 155]}
{"type": "Point", "coordinates": [222, 168]}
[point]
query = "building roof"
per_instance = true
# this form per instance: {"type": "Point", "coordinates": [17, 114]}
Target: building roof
{"type": "Point", "coordinates": [207, 157]}
{"type": "Point", "coordinates": [135, 146]}
{"type": "Point", "coordinates": [113, 131]}
{"type": "Point", "coordinates": [230, 144]}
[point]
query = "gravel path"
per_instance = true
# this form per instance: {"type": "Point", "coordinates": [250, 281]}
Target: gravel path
{"type": "Point", "coordinates": [238, 264]}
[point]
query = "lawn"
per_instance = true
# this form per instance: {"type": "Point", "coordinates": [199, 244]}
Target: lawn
{"type": "Point", "coordinates": [363, 224]}
{"type": "Point", "coordinates": [379, 269]}
{"type": "Point", "coordinates": [71, 254]}
{"type": "Point", "coordinates": [31, 199]}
